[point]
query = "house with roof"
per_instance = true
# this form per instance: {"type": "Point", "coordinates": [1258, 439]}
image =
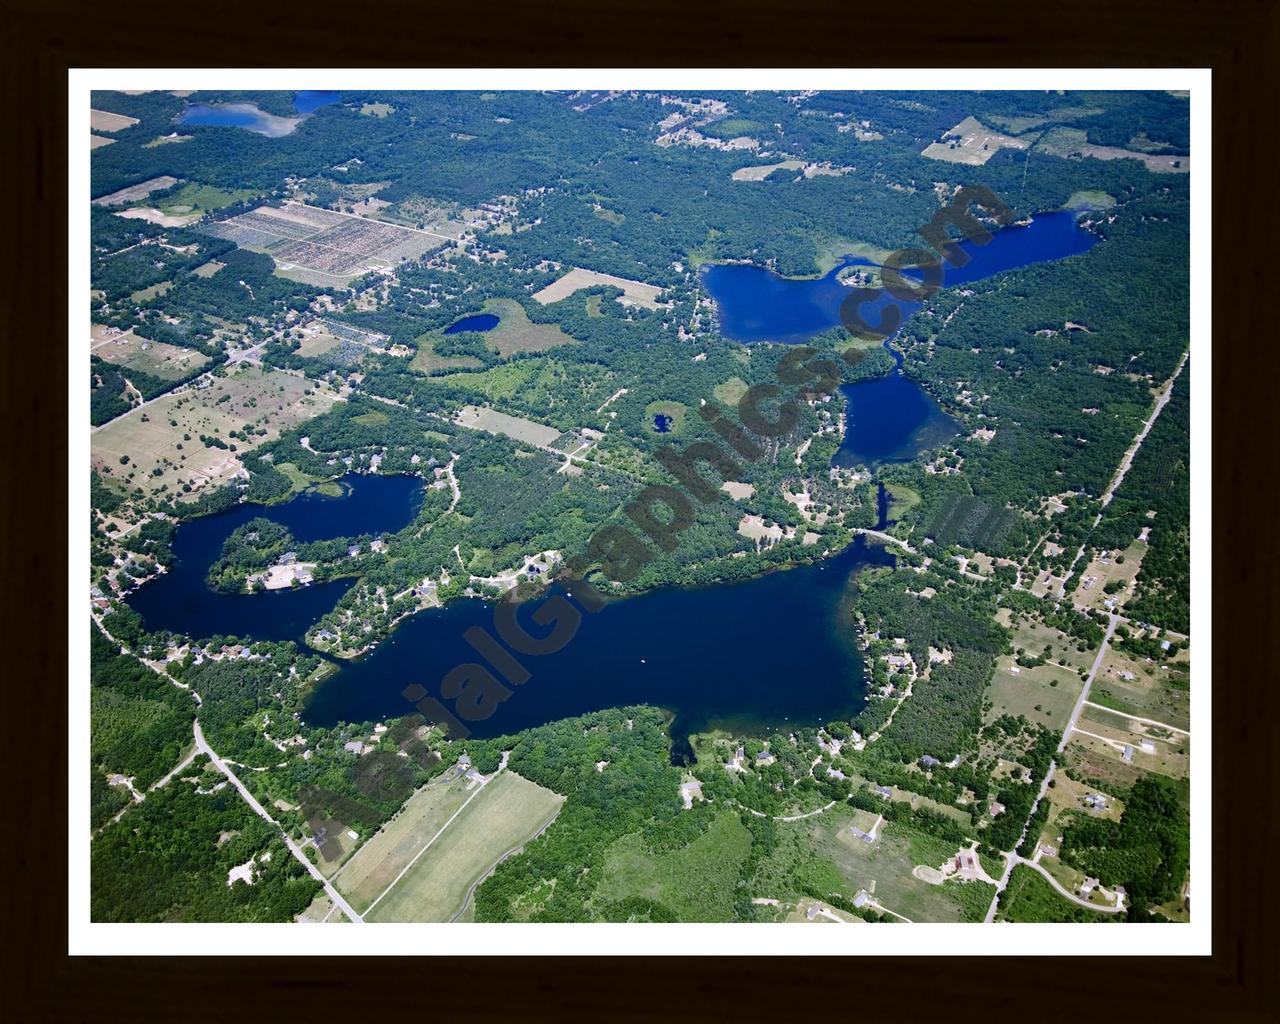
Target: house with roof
{"type": "Point", "coordinates": [929, 761]}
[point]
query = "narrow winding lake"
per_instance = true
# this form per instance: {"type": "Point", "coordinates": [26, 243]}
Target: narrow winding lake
{"type": "Point", "coordinates": [181, 601]}
{"type": "Point", "coordinates": [891, 418]}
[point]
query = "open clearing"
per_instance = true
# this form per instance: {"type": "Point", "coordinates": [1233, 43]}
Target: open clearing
{"type": "Point", "coordinates": [517, 333]}
{"type": "Point", "coordinates": [168, 362]}
{"type": "Point", "coordinates": [1030, 636]}
{"type": "Point", "coordinates": [105, 121]}
{"type": "Point", "coordinates": [514, 333]}
{"type": "Point", "coordinates": [97, 141]}
{"type": "Point", "coordinates": [515, 427]}
{"type": "Point", "coordinates": [271, 401]}
{"type": "Point", "coordinates": [1050, 688]}
{"type": "Point", "coordinates": [324, 247]}
{"type": "Point", "coordinates": [694, 883]}
{"type": "Point", "coordinates": [971, 142]}
{"type": "Point", "coordinates": [634, 293]}
{"type": "Point", "coordinates": [759, 172]}
{"type": "Point", "coordinates": [202, 199]}
{"type": "Point", "coordinates": [134, 193]}
{"type": "Point", "coordinates": [503, 816]}
{"type": "Point", "coordinates": [1144, 688]}
{"type": "Point", "coordinates": [884, 868]}
{"type": "Point", "coordinates": [1073, 143]}
{"type": "Point", "coordinates": [377, 863]}
{"type": "Point", "coordinates": [1116, 569]}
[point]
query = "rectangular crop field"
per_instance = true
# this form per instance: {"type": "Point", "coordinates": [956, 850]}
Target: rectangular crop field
{"type": "Point", "coordinates": [136, 193]}
{"type": "Point", "coordinates": [105, 121]}
{"type": "Point", "coordinates": [515, 427]}
{"type": "Point", "coordinates": [496, 821]}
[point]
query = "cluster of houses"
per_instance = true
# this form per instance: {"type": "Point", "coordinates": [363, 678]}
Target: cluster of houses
{"type": "Point", "coordinates": [738, 763]}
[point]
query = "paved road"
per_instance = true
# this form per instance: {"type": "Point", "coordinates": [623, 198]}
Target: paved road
{"type": "Point", "coordinates": [1088, 682]}
{"type": "Point", "coordinates": [333, 894]}
{"type": "Point", "coordinates": [1011, 856]}
{"type": "Point", "coordinates": [1162, 399]}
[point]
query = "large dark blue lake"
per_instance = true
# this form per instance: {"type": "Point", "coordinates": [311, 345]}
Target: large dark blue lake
{"type": "Point", "coordinates": [774, 651]}
{"type": "Point", "coordinates": [890, 418]}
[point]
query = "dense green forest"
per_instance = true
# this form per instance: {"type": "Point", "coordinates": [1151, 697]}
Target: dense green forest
{"type": "Point", "coordinates": [139, 723]}
{"type": "Point", "coordinates": [1147, 851]}
{"type": "Point", "coordinates": [168, 859]}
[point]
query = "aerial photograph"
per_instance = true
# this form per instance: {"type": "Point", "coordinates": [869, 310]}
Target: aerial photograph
{"type": "Point", "coordinates": [636, 505]}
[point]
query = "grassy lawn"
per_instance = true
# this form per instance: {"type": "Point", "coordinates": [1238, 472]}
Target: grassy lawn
{"type": "Point", "coordinates": [376, 864]}
{"type": "Point", "coordinates": [1045, 694]}
{"type": "Point", "coordinates": [501, 817]}
{"type": "Point", "coordinates": [194, 198]}
{"type": "Point", "coordinates": [730, 391]}
{"type": "Point", "coordinates": [147, 294]}
{"type": "Point", "coordinates": [696, 882]}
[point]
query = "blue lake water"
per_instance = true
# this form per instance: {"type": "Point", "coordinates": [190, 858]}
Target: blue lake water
{"type": "Point", "coordinates": [662, 424]}
{"type": "Point", "coordinates": [769, 653]}
{"type": "Point", "coordinates": [254, 119]}
{"type": "Point", "coordinates": [180, 600]}
{"type": "Point", "coordinates": [478, 322]}
{"type": "Point", "coordinates": [890, 418]}
{"type": "Point", "coordinates": [308, 100]}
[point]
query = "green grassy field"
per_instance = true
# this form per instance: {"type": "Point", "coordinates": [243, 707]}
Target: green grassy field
{"type": "Point", "coordinates": [515, 333]}
{"type": "Point", "coordinates": [376, 864]}
{"type": "Point", "coordinates": [695, 883]}
{"type": "Point", "coordinates": [194, 198]}
{"type": "Point", "coordinates": [1045, 694]}
{"type": "Point", "coordinates": [502, 816]}
{"type": "Point", "coordinates": [498, 382]}
{"type": "Point", "coordinates": [819, 854]}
